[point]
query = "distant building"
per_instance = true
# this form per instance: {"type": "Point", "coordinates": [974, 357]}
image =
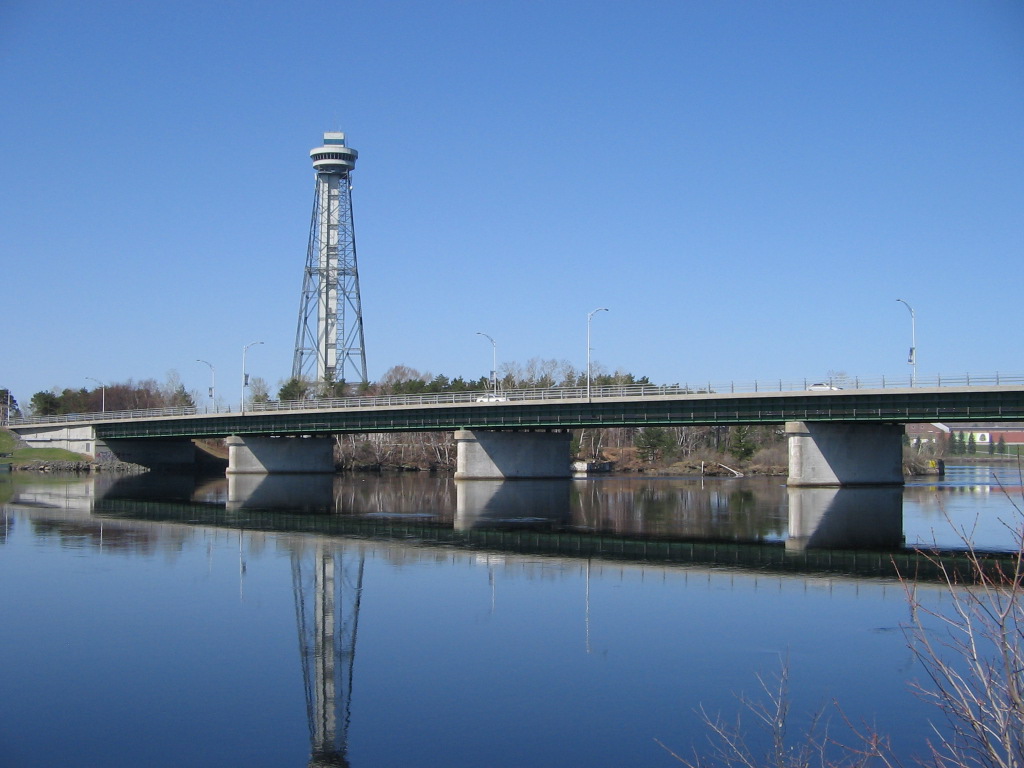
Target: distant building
{"type": "Point", "coordinates": [1011, 432]}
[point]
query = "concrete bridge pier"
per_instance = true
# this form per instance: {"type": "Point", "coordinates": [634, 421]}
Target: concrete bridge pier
{"type": "Point", "coordinates": [280, 455]}
{"type": "Point", "coordinates": [484, 454]}
{"type": "Point", "coordinates": [844, 453]}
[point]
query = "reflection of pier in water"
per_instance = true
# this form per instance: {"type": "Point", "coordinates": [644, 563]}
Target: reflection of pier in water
{"type": "Point", "coordinates": [675, 524]}
{"type": "Point", "coordinates": [757, 525]}
{"type": "Point", "coordinates": [845, 518]}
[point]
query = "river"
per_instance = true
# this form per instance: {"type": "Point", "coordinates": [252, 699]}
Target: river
{"type": "Point", "coordinates": [412, 620]}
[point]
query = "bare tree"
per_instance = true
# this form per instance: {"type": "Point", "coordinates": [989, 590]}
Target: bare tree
{"type": "Point", "coordinates": [259, 390]}
{"type": "Point", "coordinates": [397, 375]}
{"type": "Point", "coordinates": [973, 656]}
{"type": "Point", "coordinates": [730, 743]}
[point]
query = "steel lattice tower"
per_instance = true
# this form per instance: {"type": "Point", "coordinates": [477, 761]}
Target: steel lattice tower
{"type": "Point", "coordinates": [329, 337]}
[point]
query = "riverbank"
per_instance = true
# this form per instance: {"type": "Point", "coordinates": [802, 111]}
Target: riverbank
{"type": "Point", "coordinates": [16, 456]}
{"type": "Point", "coordinates": [81, 466]}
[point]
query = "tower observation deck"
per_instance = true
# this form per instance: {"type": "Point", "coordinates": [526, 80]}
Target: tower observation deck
{"type": "Point", "coordinates": [329, 345]}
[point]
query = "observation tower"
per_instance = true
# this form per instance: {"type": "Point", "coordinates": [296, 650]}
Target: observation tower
{"type": "Point", "coordinates": [329, 339]}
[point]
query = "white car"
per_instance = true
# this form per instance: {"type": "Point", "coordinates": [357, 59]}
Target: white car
{"type": "Point", "coordinates": [492, 399]}
{"type": "Point", "coordinates": [822, 388]}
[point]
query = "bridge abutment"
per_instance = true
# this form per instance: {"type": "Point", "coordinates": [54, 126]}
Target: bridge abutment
{"type": "Point", "coordinates": [496, 455]}
{"type": "Point", "coordinates": [844, 453]}
{"type": "Point", "coordinates": [77, 438]}
{"type": "Point", "coordinates": [280, 455]}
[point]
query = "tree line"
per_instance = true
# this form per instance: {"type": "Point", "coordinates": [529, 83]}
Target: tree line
{"type": "Point", "coordinates": [760, 448]}
{"type": "Point", "coordinates": [536, 373]}
{"type": "Point", "coordinates": [123, 396]}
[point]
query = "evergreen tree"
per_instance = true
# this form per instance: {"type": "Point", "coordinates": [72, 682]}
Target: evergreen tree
{"type": "Point", "coordinates": [8, 406]}
{"type": "Point", "coordinates": [439, 383]}
{"type": "Point", "coordinates": [44, 404]}
{"type": "Point", "coordinates": [180, 398]}
{"type": "Point", "coordinates": [972, 444]}
{"type": "Point", "coordinates": [330, 387]}
{"type": "Point", "coordinates": [654, 443]}
{"type": "Point", "coordinates": [293, 389]}
{"type": "Point", "coordinates": [741, 444]}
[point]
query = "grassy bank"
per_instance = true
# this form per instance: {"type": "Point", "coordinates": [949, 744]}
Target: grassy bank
{"type": "Point", "coordinates": [9, 445]}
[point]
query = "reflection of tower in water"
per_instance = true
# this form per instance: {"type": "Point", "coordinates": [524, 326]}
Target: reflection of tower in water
{"type": "Point", "coordinates": [328, 588]}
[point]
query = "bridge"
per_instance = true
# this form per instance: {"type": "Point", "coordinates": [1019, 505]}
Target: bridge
{"type": "Point", "coordinates": [849, 436]}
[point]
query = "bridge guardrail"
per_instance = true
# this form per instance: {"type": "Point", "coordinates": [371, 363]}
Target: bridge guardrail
{"type": "Point", "coordinates": [488, 397]}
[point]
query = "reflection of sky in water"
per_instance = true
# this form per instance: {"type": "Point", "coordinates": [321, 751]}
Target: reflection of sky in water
{"type": "Point", "coordinates": [134, 642]}
{"type": "Point", "coordinates": [186, 653]}
{"type": "Point", "coordinates": [982, 501]}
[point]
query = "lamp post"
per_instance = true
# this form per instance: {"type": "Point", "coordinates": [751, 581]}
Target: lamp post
{"type": "Point", "coordinates": [912, 357]}
{"type": "Point", "coordinates": [245, 376]}
{"type": "Point", "coordinates": [103, 393]}
{"type": "Point", "coordinates": [589, 316]}
{"type": "Point", "coordinates": [213, 381]}
{"type": "Point", "coordinates": [494, 361]}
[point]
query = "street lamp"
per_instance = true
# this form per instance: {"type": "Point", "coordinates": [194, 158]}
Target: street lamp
{"type": "Point", "coordinates": [589, 316]}
{"type": "Point", "coordinates": [912, 357]}
{"type": "Point", "coordinates": [245, 376]}
{"type": "Point", "coordinates": [494, 361]}
{"type": "Point", "coordinates": [213, 381]}
{"type": "Point", "coordinates": [103, 393]}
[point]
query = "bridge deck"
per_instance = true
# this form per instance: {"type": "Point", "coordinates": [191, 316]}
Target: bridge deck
{"type": "Point", "coordinates": [520, 411]}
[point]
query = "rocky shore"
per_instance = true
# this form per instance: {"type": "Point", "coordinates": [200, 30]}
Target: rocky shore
{"type": "Point", "coordinates": [78, 467]}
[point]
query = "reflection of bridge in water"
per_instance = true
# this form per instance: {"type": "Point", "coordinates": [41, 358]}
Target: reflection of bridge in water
{"type": "Point", "coordinates": [854, 531]}
{"type": "Point", "coordinates": [574, 521]}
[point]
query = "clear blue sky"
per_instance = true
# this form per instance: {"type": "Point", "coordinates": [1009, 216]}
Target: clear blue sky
{"type": "Point", "coordinates": [747, 186]}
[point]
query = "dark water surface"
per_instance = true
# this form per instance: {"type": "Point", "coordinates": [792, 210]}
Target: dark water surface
{"type": "Point", "coordinates": [410, 620]}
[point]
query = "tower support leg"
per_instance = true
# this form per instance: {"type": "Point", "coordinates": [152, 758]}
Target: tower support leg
{"type": "Point", "coordinates": [844, 453]}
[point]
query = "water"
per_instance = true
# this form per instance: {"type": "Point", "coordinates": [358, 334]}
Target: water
{"type": "Point", "coordinates": [160, 621]}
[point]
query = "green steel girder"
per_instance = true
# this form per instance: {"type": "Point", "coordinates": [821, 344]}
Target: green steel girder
{"type": "Point", "coordinates": [876, 406]}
